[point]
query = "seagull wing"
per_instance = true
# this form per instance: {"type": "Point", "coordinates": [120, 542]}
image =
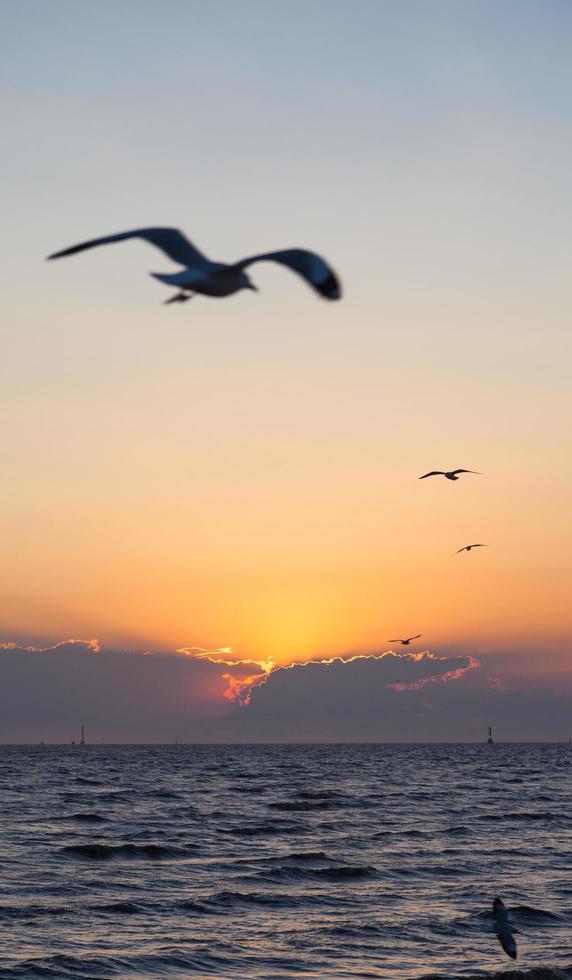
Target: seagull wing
{"type": "Point", "coordinates": [459, 551]}
{"type": "Point", "coordinates": [169, 240]}
{"type": "Point", "coordinates": [310, 266]}
{"type": "Point", "coordinates": [508, 943]}
{"type": "Point", "coordinates": [468, 471]}
{"type": "Point", "coordinates": [433, 473]}
{"type": "Point", "coordinates": [414, 637]}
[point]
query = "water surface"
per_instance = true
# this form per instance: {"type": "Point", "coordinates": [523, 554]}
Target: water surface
{"type": "Point", "coordinates": [282, 861]}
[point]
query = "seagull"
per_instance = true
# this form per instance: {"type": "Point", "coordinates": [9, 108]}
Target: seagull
{"type": "Point", "coordinates": [451, 475]}
{"type": "Point", "coordinates": [468, 548]}
{"type": "Point", "coordinates": [406, 642]}
{"type": "Point", "coordinates": [200, 275]}
{"type": "Point", "coordinates": [503, 928]}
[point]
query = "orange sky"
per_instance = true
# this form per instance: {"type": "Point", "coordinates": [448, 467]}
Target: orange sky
{"type": "Point", "coordinates": [243, 473]}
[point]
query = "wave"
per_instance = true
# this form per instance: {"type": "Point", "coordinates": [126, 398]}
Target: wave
{"type": "Point", "coordinates": [333, 872]}
{"type": "Point", "coordinates": [524, 816]}
{"type": "Point", "coordinates": [305, 856]}
{"type": "Point", "coordinates": [128, 852]}
{"type": "Point", "coordinates": [32, 911]}
{"type": "Point", "coordinates": [528, 914]}
{"type": "Point", "coordinates": [230, 898]}
{"type": "Point", "coordinates": [268, 828]}
{"type": "Point", "coordinates": [303, 805]}
{"type": "Point", "coordinates": [537, 973]}
{"type": "Point", "coordinates": [524, 915]}
{"type": "Point", "coordinates": [163, 962]}
{"type": "Point", "coordinates": [87, 817]}
{"type": "Point", "coordinates": [121, 908]}
{"type": "Point", "coordinates": [321, 794]}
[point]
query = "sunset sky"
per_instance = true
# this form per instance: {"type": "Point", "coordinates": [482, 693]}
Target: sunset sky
{"type": "Point", "coordinates": [244, 473]}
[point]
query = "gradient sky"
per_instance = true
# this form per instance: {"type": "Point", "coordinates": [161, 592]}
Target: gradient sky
{"type": "Point", "coordinates": [244, 473]}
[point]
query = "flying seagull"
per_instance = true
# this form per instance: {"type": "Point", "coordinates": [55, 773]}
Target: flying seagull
{"type": "Point", "coordinates": [406, 642]}
{"type": "Point", "coordinates": [468, 548]}
{"type": "Point", "coordinates": [200, 275]}
{"type": "Point", "coordinates": [503, 928]}
{"type": "Point", "coordinates": [451, 475]}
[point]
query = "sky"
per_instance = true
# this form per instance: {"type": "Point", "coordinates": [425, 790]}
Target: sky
{"type": "Point", "coordinates": [242, 474]}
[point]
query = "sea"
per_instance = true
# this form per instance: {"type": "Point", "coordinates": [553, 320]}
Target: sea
{"type": "Point", "coordinates": [284, 861]}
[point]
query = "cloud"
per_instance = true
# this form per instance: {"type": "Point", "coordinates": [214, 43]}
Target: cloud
{"type": "Point", "coordinates": [353, 698]}
{"type": "Point", "coordinates": [46, 693]}
{"type": "Point", "coordinates": [64, 645]}
{"type": "Point", "coordinates": [195, 694]}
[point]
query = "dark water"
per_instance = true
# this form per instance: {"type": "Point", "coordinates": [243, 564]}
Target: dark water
{"type": "Point", "coordinates": [282, 861]}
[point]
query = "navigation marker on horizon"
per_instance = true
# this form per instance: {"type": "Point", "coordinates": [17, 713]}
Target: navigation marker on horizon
{"type": "Point", "coordinates": [200, 275]}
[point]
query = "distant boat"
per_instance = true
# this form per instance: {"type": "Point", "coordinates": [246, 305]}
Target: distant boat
{"type": "Point", "coordinates": [490, 738]}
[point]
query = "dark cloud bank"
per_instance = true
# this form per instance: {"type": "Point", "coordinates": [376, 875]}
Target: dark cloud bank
{"type": "Point", "coordinates": [126, 696]}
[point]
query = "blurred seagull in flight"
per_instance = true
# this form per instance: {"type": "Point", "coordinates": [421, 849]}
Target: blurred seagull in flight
{"type": "Point", "coordinates": [503, 928]}
{"type": "Point", "coordinates": [451, 475]}
{"type": "Point", "coordinates": [407, 641]}
{"type": "Point", "coordinates": [468, 548]}
{"type": "Point", "coordinates": [200, 275]}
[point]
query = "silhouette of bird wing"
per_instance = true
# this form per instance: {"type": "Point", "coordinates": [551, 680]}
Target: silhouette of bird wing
{"type": "Point", "coordinates": [395, 641]}
{"type": "Point", "coordinates": [459, 551]}
{"type": "Point", "coordinates": [414, 637]}
{"type": "Point", "coordinates": [479, 546]}
{"type": "Point", "coordinates": [314, 269]}
{"type": "Point", "coordinates": [169, 240]}
{"type": "Point", "coordinates": [468, 471]}
{"type": "Point", "coordinates": [433, 473]}
{"type": "Point", "coordinates": [508, 943]}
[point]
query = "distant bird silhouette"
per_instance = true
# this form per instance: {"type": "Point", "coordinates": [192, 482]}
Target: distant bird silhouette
{"type": "Point", "coordinates": [406, 642]}
{"type": "Point", "coordinates": [451, 475]}
{"type": "Point", "coordinates": [503, 928]}
{"type": "Point", "coordinates": [200, 275]}
{"type": "Point", "coordinates": [468, 547]}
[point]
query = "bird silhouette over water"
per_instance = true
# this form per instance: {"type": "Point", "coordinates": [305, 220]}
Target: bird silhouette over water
{"type": "Point", "coordinates": [449, 475]}
{"type": "Point", "coordinates": [503, 928]}
{"type": "Point", "coordinates": [468, 547]}
{"type": "Point", "coordinates": [407, 641]}
{"type": "Point", "coordinates": [200, 275]}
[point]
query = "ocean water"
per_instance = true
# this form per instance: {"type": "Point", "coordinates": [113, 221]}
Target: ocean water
{"type": "Point", "coordinates": [305, 861]}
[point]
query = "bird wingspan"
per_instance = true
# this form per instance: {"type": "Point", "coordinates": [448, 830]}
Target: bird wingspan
{"type": "Point", "coordinates": [414, 637]}
{"type": "Point", "coordinates": [169, 240]}
{"type": "Point", "coordinates": [468, 471]}
{"type": "Point", "coordinates": [433, 473]}
{"type": "Point", "coordinates": [314, 269]}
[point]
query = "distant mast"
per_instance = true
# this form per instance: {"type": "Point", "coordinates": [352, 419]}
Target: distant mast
{"type": "Point", "coordinates": [489, 739]}
{"type": "Point", "coordinates": [82, 739]}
